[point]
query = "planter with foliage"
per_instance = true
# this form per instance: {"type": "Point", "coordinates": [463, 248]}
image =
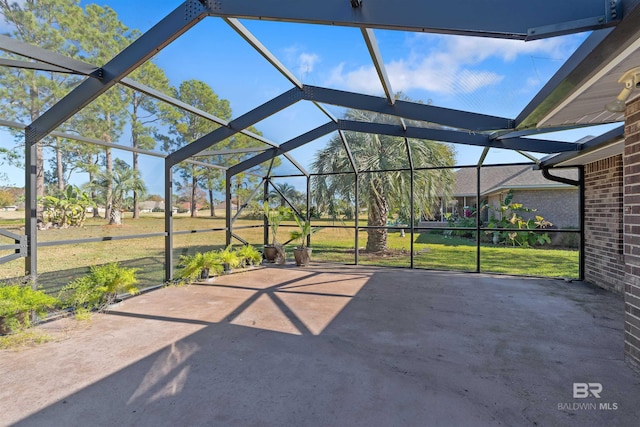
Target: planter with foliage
{"type": "Point", "coordinates": [99, 288]}
{"type": "Point", "coordinates": [17, 302]}
{"type": "Point", "coordinates": [302, 253]}
{"type": "Point", "coordinates": [201, 265]}
{"type": "Point", "coordinates": [229, 259]}
{"type": "Point", "coordinates": [249, 255]}
{"type": "Point", "coordinates": [275, 251]}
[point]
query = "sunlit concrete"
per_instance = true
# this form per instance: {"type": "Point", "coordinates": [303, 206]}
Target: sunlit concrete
{"type": "Point", "coordinates": [333, 345]}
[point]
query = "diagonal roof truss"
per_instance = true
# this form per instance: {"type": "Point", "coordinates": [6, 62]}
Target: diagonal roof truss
{"type": "Point", "coordinates": [545, 18]}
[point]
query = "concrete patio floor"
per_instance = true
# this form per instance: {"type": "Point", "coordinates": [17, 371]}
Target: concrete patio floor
{"type": "Point", "coordinates": [333, 346]}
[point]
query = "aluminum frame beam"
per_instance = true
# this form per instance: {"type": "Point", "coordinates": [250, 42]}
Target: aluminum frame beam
{"type": "Point", "coordinates": [79, 138]}
{"type": "Point", "coordinates": [262, 50]}
{"type": "Point", "coordinates": [452, 136]}
{"type": "Point", "coordinates": [458, 137]}
{"type": "Point", "coordinates": [37, 66]}
{"type": "Point", "coordinates": [254, 116]}
{"type": "Point", "coordinates": [61, 63]}
{"type": "Point", "coordinates": [231, 151]}
{"type": "Point", "coordinates": [150, 43]}
{"type": "Point", "coordinates": [590, 145]}
{"type": "Point", "coordinates": [378, 63]}
{"type": "Point", "coordinates": [26, 50]}
{"type": "Point", "coordinates": [292, 144]}
{"type": "Point", "coordinates": [499, 18]}
{"type": "Point", "coordinates": [408, 110]}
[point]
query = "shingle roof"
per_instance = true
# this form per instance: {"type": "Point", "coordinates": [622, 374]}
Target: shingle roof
{"type": "Point", "coordinates": [505, 177]}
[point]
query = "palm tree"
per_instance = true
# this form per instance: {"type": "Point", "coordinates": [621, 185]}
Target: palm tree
{"type": "Point", "coordinates": [124, 180]}
{"type": "Point", "coordinates": [288, 191]}
{"type": "Point", "coordinates": [383, 192]}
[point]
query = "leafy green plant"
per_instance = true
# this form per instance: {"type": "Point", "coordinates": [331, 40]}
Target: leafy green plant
{"type": "Point", "coordinates": [68, 208]}
{"type": "Point", "coordinates": [304, 231]}
{"type": "Point", "coordinates": [99, 288]}
{"type": "Point", "coordinates": [464, 223]}
{"type": "Point", "coordinates": [18, 301]}
{"type": "Point", "coordinates": [275, 217]}
{"type": "Point", "coordinates": [230, 257]}
{"type": "Point", "coordinates": [194, 265]}
{"type": "Point", "coordinates": [510, 218]}
{"type": "Point", "coordinates": [249, 255]}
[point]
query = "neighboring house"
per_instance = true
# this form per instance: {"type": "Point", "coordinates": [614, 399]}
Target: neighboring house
{"type": "Point", "coordinates": [186, 207]}
{"type": "Point", "coordinates": [555, 201]}
{"type": "Point", "coordinates": [151, 206]}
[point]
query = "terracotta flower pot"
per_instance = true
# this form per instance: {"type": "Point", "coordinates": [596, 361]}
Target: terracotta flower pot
{"type": "Point", "coordinates": [270, 253]}
{"type": "Point", "coordinates": [302, 256]}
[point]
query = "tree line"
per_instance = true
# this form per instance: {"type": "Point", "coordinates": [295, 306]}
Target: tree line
{"type": "Point", "coordinates": [94, 34]}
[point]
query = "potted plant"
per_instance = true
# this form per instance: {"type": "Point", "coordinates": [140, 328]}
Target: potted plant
{"type": "Point", "coordinates": [249, 255]}
{"type": "Point", "coordinates": [302, 253]}
{"type": "Point", "coordinates": [201, 265]}
{"type": "Point", "coordinates": [229, 259]}
{"type": "Point", "coordinates": [17, 302]}
{"type": "Point", "coordinates": [275, 217]}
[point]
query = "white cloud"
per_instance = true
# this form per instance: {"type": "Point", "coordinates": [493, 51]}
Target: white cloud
{"type": "Point", "coordinates": [447, 64]}
{"type": "Point", "coordinates": [306, 62]}
{"type": "Point", "coordinates": [300, 62]}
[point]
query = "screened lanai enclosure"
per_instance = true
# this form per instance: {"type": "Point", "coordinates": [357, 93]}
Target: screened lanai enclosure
{"type": "Point", "coordinates": [478, 178]}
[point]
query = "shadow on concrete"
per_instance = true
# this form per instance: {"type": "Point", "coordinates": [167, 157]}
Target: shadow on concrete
{"type": "Point", "coordinates": [405, 348]}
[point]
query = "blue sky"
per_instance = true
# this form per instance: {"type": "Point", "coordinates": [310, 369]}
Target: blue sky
{"type": "Point", "coordinates": [489, 76]}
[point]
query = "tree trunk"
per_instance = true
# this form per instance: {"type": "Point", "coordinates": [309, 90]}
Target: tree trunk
{"type": "Point", "coordinates": [377, 216]}
{"type": "Point", "coordinates": [109, 168]}
{"type": "Point", "coordinates": [115, 216]}
{"type": "Point", "coordinates": [212, 208]}
{"type": "Point", "coordinates": [109, 192]}
{"type": "Point", "coordinates": [94, 196]}
{"type": "Point", "coordinates": [136, 210]}
{"type": "Point", "coordinates": [59, 166]}
{"type": "Point", "coordinates": [194, 186]}
{"type": "Point", "coordinates": [134, 143]}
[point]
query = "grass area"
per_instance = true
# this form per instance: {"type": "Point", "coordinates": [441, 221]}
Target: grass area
{"type": "Point", "coordinates": [57, 265]}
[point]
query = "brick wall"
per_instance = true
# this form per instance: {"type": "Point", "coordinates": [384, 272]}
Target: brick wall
{"type": "Point", "coordinates": [632, 234]}
{"type": "Point", "coordinates": [603, 230]}
{"type": "Point", "coordinates": [558, 206]}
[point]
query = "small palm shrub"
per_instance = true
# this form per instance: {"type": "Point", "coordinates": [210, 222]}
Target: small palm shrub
{"type": "Point", "coordinates": [16, 304]}
{"type": "Point", "coordinates": [193, 266]}
{"type": "Point", "coordinates": [230, 257]}
{"type": "Point", "coordinates": [99, 288]}
{"type": "Point", "coordinates": [249, 255]}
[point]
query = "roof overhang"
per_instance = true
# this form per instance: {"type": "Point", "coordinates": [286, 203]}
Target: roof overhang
{"type": "Point", "coordinates": [606, 145]}
{"type": "Point", "coordinates": [579, 91]}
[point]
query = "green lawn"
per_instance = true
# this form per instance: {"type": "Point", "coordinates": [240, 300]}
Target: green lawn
{"type": "Point", "coordinates": [59, 264]}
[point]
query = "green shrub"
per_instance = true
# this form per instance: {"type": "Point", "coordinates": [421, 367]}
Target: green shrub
{"type": "Point", "coordinates": [508, 216]}
{"type": "Point", "coordinates": [18, 301]}
{"type": "Point", "coordinates": [193, 265]}
{"type": "Point", "coordinates": [249, 255]}
{"type": "Point", "coordinates": [229, 257]}
{"type": "Point", "coordinates": [99, 288]}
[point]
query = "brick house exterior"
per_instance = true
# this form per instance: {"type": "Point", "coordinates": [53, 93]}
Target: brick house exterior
{"type": "Point", "coordinates": [556, 202]}
{"type": "Point", "coordinates": [603, 230]}
{"type": "Point", "coordinates": [631, 211]}
{"type": "Point", "coordinates": [612, 223]}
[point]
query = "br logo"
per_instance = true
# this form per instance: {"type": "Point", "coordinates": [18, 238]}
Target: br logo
{"type": "Point", "coordinates": [584, 390]}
